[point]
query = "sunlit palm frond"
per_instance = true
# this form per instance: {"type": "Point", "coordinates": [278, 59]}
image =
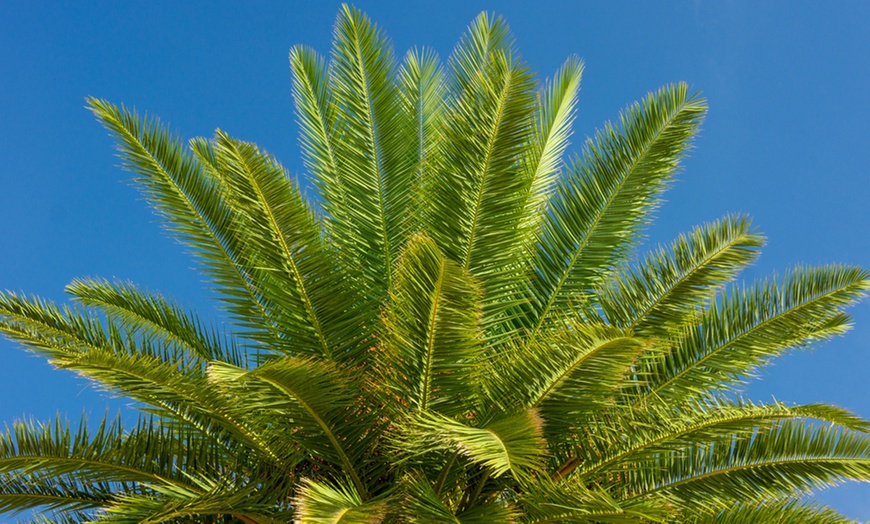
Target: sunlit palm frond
{"type": "Point", "coordinates": [153, 315]}
{"type": "Point", "coordinates": [748, 327]}
{"type": "Point", "coordinates": [191, 204]}
{"type": "Point", "coordinates": [607, 195]}
{"type": "Point", "coordinates": [433, 330]}
{"type": "Point", "coordinates": [672, 285]}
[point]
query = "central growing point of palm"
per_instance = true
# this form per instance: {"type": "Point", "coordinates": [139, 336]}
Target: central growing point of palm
{"type": "Point", "coordinates": [459, 332]}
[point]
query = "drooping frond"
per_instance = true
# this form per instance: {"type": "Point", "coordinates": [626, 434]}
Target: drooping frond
{"type": "Point", "coordinates": [19, 493]}
{"type": "Point", "coordinates": [147, 455]}
{"type": "Point", "coordinates": [673, 285]}
{"type": "Point", "coordinates": [788, 460]}
{"type": "Point", "coordinates": [153, 315]}
{"type": "Point", "coordinates": [787, 511]}
{"type": "Point", "coordinates": [214, 501]}
{"type": "Point", "coordinates": [509, 443]}
{"type": "Point", "coordinates": [606, 196]}
{"type": "Point", "coordinates": [432, 330]}
{"type": "Point", "coordinates": [321, 503]}
{"type": "Point", "coordinates": [750, 326]}
{"type": "Point", "coordinates": [158, 377]}
{"type": "Point", "coordinates": [313, 401]}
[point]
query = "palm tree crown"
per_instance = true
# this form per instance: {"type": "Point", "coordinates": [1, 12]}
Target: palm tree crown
{"type": "Point", "coordinates": [458, 331]}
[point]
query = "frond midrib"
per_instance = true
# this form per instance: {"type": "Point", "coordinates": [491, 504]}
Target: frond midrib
{"type": "Point", "coordinates": [430, 335]}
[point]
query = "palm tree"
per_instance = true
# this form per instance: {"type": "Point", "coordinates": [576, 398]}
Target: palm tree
{"type": "Point", "coordinates": [458, 332]}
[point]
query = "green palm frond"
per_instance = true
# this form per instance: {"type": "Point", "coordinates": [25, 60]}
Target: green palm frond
{"type": "Point", "coordinates": [153, 315]}
{"type": "Point", "coordinates": [547, 502]}
{"type": "Point", "coordinates": [218, 503]}
{"type": "Point", "coordinates": [788, 460]}
{"type": "Point", "coordinates": [433, 330]}
{"type": "Point", "coordinates": [157, 376]}
{"type": "Point", "coordinates": [750, 326]}
{"type": "Point", "coordinates": [191, 205]}
{"type": "Point", "coordinates": [374, 169]}
{"type": "Point", "coordinates": [146, 455]}
{"type": "Point", "coordinates": [554, 116]}
{"type": "Point", "coordinates": [566, 374]}
{"type": "Point", "coordinates": [20, 493]}
{"type": "Point", "coordinates": [320, 503]}
{"type": "Point", "coordinates": [620, 440]}
{"type": "Point", "coordinates": [672, 285]}
{"type": "Point", "coordinates": [479, 195]}
{"type": "Point", "coordinates": [509, 443]}
{"type": "Point", "coordinates": [607, 195]}
{"type": "Point", "coordinates": [299, 277]}
{"type": "Point", "coordinates": [782, 512]}
{"type": "Point", "coordinates": [313, 401]}
{"type": "Point", "coordinates": [424, 506]}
{"type": "Point", "coordinates": [422, 88]}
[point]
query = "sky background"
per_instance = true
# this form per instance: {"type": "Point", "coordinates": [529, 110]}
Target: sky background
{"type": "Point", "coordinates": [786, 139]}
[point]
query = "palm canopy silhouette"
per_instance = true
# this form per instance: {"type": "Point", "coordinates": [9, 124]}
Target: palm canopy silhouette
{"type": "Point", "coordinates": [459, 331]}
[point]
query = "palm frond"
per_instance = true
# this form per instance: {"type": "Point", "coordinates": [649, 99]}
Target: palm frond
{"type": "Point", "coordinates": [20, 493]}
{"type": "Point", "coordinates": [424, 506]}
{"type": "Point", "coordinates": [510, 443]}
{"type": "Point", "coordinates": [554, 116]}
{"type": "Point", "coordinates": [422, 88]}
{"type": "Point", "coordinates": [374, 169]}
{"type": "Point", "coordinates": [606, 197]}
{"type": "Point", "coordinates": [479, 195]}
{"type": "Point", "coordinates": [748, 327]}
{"type": "Point", "coordinates": [191, 204]}
{"type": "Point", "coordinates": [546, 502]}
{"type": "Point", "coordinates": [147, 455]}
{"type": "Point", "coordinates": [566, 374]}
{"type": "Point", "coordinates": [321, 503]}
{"type": "Point", "coordinates": [432, 330]}
{"type": "Point", "coordinates": [317, 312]}
{"type": "Point", "coordinates": [616, 441]}
{"type": "Point", "coordinates": [157, 376]}
{"type": "Point", "coordinates": [672, 285]}
{"type": "Point", "coordinates": [216, 502]}
{"type": "Point", "coordinates": [313, 401]}
{"type": "Point", "coordinates": [788, 460]}
{"type": "Point", "coordinates": [787, 511]}
{"type": "Point", "coordinates": [152, 315]}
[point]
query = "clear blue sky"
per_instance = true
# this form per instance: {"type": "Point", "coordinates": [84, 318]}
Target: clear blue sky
{"type": "Point", "coordinates": [787, 138]}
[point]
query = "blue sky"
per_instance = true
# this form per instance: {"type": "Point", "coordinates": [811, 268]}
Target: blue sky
{"type": "Point", "coordinates": [786, 140]}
